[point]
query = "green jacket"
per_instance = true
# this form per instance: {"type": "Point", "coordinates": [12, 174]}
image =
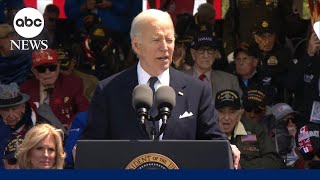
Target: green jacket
{"type": "Point", "coordinates": [257, 151]}
{"type": "Point", "coordinates": [89, 83]}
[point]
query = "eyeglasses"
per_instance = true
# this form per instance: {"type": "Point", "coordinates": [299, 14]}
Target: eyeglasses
{"type": "Point", "coordinates": [42, 69]}
{"type": "Point", "coordinates": [12, 161]}
{"type": "Point", "coordinates": [202, 50]}
{"type": "Point", "coordinates": [256, 111]}
{"type": "Point", "coordinates": [293, 120]}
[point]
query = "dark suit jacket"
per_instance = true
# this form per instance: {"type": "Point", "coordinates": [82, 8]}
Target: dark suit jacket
{"type": "Point", "coordinates": [112, 116]}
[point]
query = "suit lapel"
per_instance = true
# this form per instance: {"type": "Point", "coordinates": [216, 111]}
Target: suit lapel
{"type": "Point", "coordinates": [178, 83]}
{"type": "Point", "coordinates": [213, 83]}
{"type": "Point", "coordinates": [131, 82]}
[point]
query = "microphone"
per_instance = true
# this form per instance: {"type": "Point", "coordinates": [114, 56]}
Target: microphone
{"type": "Point", "coordinates": [142, 99]}
{"type": "Point", "coordinates": [165, 100]}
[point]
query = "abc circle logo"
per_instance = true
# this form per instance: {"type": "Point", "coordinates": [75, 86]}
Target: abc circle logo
{"type": "Point", "coordinates": [28, 22]}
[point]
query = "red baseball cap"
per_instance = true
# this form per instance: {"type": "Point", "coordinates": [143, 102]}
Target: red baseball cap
{"type": "Point", "coordinates": [48, 56]}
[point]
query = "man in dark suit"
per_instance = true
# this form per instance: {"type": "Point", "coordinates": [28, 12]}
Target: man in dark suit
{"type": "Point", "coordinates": [111, 115]}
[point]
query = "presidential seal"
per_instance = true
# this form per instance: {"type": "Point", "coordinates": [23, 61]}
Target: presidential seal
{"type": "Point", "coordinates": [152, 161]}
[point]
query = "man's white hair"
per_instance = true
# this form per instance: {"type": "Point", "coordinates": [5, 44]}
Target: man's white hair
{"type": "Point", "coordinates": [143, 18]}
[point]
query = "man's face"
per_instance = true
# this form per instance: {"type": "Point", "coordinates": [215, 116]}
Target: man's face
{"type": "Point", "coordinates": [12, 115]}
{"type": "Point", "coordinates": [265, 41]}
{"type": "Point", "coordinates": [206, 17]}
{"type": "Point", "coordinates": [50, 20]}
{"type": "Point", "coordinates": [203, 58]}
{"type": "Point", "coordinates": [228, 119]}
{"type": "Point", "coordinates": [245, 65]}
{"type": "Point", "coordinates": [178, 50]}
{"type": "Point", "coordinates": [68, 70]}
{"type": "Point", "coordinates": [5, 44]}
{"type": "Point", "coordinates": [47, 74]}
{"type": "Point", "coordinates": [155, 46]}
{"type": "Point", "coordinates": [254, 114]}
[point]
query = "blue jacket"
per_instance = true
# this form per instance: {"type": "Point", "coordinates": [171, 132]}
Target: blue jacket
{"type": "Point", "coordinates": [78, 125]}
{"type": "Point", "coordinates": [117, 18]}
{"type": "Point", "coordinates": [5, 136]}
{"type": "Point", "coordinates": [15, 68]}
{"type": "Point", "coordinates": [7, 4]}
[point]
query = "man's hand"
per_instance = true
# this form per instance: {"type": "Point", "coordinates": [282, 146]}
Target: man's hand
{"type": "Point", "coordinates": [313, 44]}
{"type": "Point", "coordinates": [236, 156]}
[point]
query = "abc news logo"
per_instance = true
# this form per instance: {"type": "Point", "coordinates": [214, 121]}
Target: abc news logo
{"type": "Point", "coordinates": [28, 23]}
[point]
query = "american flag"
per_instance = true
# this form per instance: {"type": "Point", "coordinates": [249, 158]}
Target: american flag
{"type": "Point", "coordinates": [248, 138]}
{"type": "Point", "coordinates": [190, 6]}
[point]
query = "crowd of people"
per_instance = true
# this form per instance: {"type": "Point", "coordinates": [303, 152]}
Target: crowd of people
{"type": "Point", "coordinates": [250, 83]}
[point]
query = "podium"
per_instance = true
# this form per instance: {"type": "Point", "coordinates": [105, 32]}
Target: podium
{"type": "Point", "coordinates": [147, 154]}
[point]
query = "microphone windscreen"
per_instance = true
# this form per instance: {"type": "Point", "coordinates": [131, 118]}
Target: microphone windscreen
{"type": "Point", "coordinates": [165, 95]}
{"type": "Point", "coordinates": [142, 96]}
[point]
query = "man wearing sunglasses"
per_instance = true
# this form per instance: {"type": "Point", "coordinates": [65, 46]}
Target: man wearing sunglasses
{"type": "Point", "coordinates": [204, 51]}
{"type": "Point", "coordinates": [64, 94]}
{"type": "Point", "coordinates": [254, 104]}
{"type": "Point", "coordinates": [282, 129]}
{"type": "Point", "coordinates": [68, 67]}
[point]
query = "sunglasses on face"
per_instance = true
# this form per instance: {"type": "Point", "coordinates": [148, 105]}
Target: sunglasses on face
{"type": "Point", "coordinates": [256, 111]}
{"type": "Point", "coordinates": [293, 120]}
{"type": "Point", "coordinates": [42, 69]}
{"type": "Point", "coordinates": [12, 161]}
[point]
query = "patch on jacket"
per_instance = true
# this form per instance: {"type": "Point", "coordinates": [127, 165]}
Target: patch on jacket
{"type": "Point", "coordinates": [308, 78]}
{"type": "Point", "coordinates": [249, 138]}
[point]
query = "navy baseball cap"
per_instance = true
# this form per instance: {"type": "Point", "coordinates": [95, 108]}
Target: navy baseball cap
{"type": "Point", "coordinates": [227, 98]}
{"type": "Point", "coordinates": [205, 39]}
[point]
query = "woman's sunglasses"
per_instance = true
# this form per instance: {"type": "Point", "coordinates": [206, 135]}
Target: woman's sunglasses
{"type": "Point", "coordinates": [42, 68]}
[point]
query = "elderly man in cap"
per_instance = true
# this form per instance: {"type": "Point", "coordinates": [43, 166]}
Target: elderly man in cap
{"type": "Point", "coordinates": [254, 104]}
{"type": "Point", "coordinates": [63, 94]}
{"type": "Point", "coordinates": [275, 59]}
{"type": "Point", "coordinates": [15, 66]}
{"type": "Point", "coordinates": [249, 76]}
{"type": "Point", "coordinates": [16, 117]}
{"type": "Point", "coordinates": [204, 51]}
{"type": "Point", "coordinates": [257, 151]}
{"type": "Point", "coordinates": [9, 160]}
{"type": "Point", "coordinates": [68, 67]}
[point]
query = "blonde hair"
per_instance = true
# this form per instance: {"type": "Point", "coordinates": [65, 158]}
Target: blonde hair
{"type": "Point", "coordinates": [33, 137]}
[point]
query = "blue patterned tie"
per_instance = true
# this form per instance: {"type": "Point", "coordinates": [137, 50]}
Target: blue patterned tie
{"type": "Point", "coordinates": [153, 110]}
